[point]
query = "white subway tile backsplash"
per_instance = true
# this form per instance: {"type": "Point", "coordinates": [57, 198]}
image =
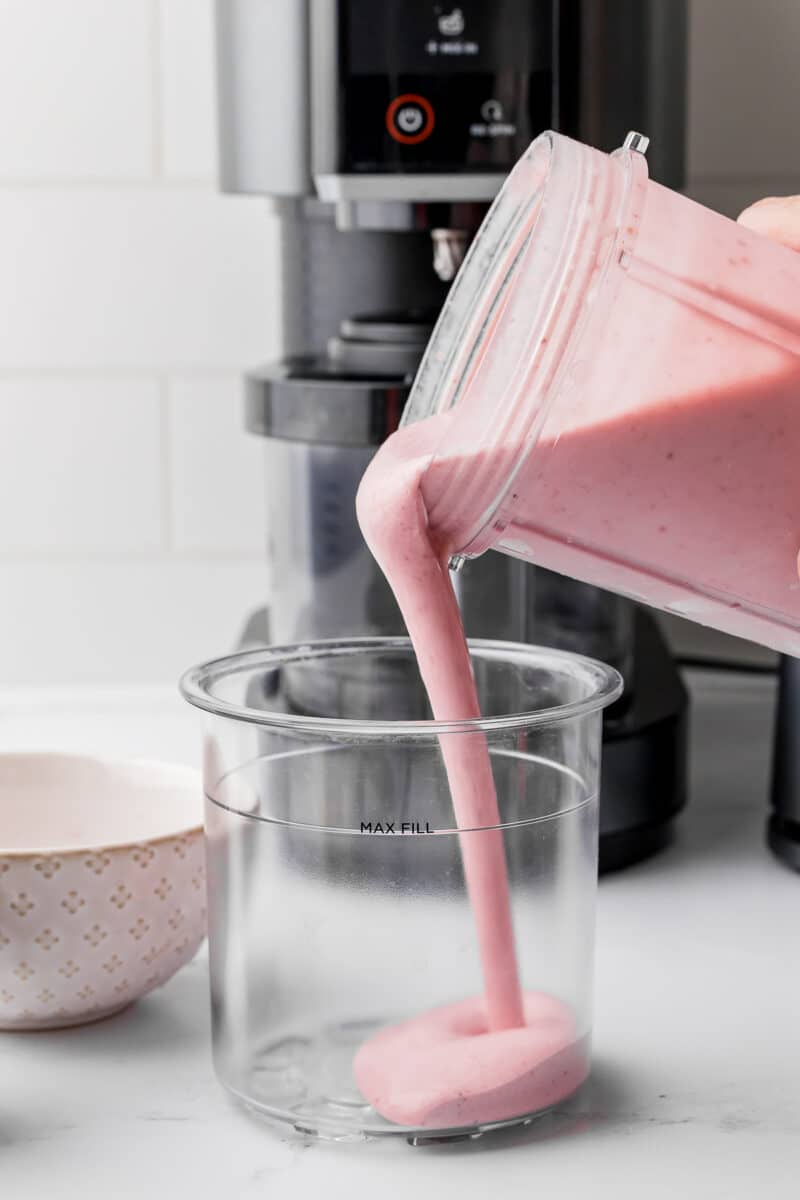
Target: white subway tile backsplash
{"type": "Point", "coordinates": [132, 511]}
{"type": "Point", "coordinates": [187, 88]}
{"type": "Point", "coordinates": [132, 278]}
{"type": "Point", "coordinates": [80, 466]}
{"type": "Point", "coordinates": [744, 88]}
{"type": "Point", "coordinates": [218, 490]}
{"type": "Point", "coordinates": [120, 622]}
{"type": "Point", "coordinates": [75, 88]}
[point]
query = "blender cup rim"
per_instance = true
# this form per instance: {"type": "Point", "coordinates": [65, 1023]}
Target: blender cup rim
{"type": "Point", "coordinates": [604, 685]}
{"type": "Point", "coordinates": [494, 255]}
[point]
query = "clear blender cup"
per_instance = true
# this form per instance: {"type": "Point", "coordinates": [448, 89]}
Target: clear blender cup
{"type": "Point", "coordinates": [618, 373]}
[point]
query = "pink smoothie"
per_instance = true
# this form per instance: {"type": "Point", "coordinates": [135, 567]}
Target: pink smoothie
{"type": "Point", "coordinates": [446, 1069]}
{"type": "Point", "coordinates": [663, 486]}
{"type": "Point", "coordinates": [394, 522]}
{"type": "Point", "coordinates": [504, 1054]}
{"type": "Point", "coordinates": [650, 446]}
{"type": "Point", "coordinates": [691, 503]}
{"type": "Point", "coordinates": [701, 491]}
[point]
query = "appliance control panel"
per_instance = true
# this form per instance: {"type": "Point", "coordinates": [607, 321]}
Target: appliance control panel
{"type": "Point", "coordinates": [437, 87]}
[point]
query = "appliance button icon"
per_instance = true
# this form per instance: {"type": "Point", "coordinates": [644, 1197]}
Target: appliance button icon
{"type": "Point", "coordinates": [452, 24]}
{"type": "Point", "coordinates": [410, 119]}
{"type": "Point", "coordinates": [492, 110]}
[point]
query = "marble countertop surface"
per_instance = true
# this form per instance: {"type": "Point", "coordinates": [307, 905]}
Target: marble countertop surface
{"type": "Point", "coordinates": [696, 1086]}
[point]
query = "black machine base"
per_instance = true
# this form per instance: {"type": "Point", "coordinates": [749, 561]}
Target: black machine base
{"type": "Point", "coordinates": [644, 778]}
{"type": "Point", "coordinates": [783, 829]}
{"type": "Point", "coordinates": [783, 839]}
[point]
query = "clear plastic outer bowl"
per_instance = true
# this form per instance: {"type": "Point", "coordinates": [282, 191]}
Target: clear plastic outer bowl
{"type": "Point", "coordinates": [337, 902]}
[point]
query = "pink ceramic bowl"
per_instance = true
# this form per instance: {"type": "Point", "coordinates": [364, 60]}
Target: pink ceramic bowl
{"type": "Point", "coordinates": [102, 884]}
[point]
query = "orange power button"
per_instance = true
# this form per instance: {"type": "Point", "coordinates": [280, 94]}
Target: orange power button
{"type": "Point", "coordinates": [410, 119]}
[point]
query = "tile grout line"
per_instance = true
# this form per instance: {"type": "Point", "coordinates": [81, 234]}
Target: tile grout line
{"type": "Point", "coordinates": [157, 89]}
{"type": "Point", "coordinates": [166, 465]}
{"type": "Point", "coordinates": [73, 373]}
{"type": "Point", "coordinates": [122, 183]}
{"type": "Point", "coordinates": [56, 557]}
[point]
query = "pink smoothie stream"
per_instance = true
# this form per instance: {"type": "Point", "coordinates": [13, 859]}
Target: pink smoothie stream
{"type": "Point", "coordinates": [503, 1054]}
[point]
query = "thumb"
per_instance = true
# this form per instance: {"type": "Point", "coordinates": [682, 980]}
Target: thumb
{"type": "Point", "coordinates": [777, 217]}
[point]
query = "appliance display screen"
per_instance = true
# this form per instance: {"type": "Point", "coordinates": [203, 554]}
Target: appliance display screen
{"type": "Point", "coordinates": [428, 86]}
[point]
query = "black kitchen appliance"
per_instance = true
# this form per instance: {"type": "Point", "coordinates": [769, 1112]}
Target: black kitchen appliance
{"type": "Point", "coordinates": [381, 130]}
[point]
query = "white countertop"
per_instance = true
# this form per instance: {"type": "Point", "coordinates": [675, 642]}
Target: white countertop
{"type": "Point", "coordinates": [696, 1086]}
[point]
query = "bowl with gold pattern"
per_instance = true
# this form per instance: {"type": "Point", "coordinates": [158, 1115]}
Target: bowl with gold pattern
{"type": "Point", "coordinates": [102, 884]}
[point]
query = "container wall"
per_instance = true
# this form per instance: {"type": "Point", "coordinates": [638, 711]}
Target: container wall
{"type": "Point", "coordinates": [338, 904]}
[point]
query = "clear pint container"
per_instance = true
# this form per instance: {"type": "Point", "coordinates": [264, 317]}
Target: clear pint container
{"type": "Point", "coordinates": [620, 373]}
{"type": "Point", "coordinates": [337, 902]}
